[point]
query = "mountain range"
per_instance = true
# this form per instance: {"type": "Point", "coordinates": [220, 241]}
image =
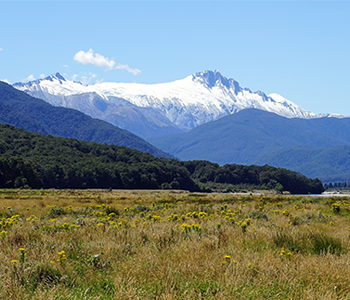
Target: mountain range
{"type": "Point", "coordinates": [206, 116]}
{"type": "Point", "coordinates": [318, 147]}
{"type": "Point", "coordinates": [35, 115]}
{"type": "Point", "coordinates": [154, 110]}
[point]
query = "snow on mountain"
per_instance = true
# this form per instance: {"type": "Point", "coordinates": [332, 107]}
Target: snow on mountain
{"type": "Point", "coordinates": [186, 103]}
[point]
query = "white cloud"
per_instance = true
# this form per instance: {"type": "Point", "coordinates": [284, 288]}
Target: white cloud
{"type": "Point", "coordinates": [127, 68]}
{"type": "Point", "coordinates": [95, 59]}
{"type": "Point", "coordinates": [42, 76]}
{"type": "Point", "coordinates": [99, 80]}
{"type": "Point", "coordinates": [6, 80]}
{"type": "Point", "coordinates": [29, 78]}
{"type": "Point", "coordinates": [87, 78]}
{"type": "Point", "coordinates": [1, 49]}
{"type": "Point", "coordinates": [99, 60]}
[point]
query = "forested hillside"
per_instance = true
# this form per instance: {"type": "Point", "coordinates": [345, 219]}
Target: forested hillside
{"type": "Point", "coordinates": [23, 111]}
{"type": "Point", "coordinates": [32, 160]}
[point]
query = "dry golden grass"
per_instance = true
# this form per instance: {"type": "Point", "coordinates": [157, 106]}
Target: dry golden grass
{"type": "Point", "coordinates": [172, 245]}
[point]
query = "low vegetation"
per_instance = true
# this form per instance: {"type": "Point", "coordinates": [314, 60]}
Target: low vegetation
{"type": "Point", "coordinates": [112, 244]}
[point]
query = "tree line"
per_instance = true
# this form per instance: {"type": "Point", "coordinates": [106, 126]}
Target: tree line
{"type": "Point", "coordinates": [39, 161]}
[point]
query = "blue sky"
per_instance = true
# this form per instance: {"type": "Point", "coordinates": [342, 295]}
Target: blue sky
{"type": "Point", "coordinates": [299, 49]}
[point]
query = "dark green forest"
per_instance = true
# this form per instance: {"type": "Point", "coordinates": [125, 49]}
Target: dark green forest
{"type": "Point", "coordinates": [42, 161]}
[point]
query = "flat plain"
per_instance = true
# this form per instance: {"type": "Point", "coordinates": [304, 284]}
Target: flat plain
{"type": "Point", "coordinates": [136, 244]}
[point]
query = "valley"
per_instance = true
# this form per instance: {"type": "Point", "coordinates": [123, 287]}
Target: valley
{"type": "Point", "coordinates": [204, 116]}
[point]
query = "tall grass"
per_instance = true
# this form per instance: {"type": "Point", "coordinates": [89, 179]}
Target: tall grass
{"type": "Point", "coordinates": [95, 244]}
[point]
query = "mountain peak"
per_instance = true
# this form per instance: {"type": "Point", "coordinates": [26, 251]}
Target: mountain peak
{"type": "Point", "coordinates": [209, 78]}
{"type": "Point", "coordinates": [196, 99]}
{"type": "Point", "coordinates": [53, 78]}
{"type": "Point", "coordinates": [56, 76]}
{"type": "Point", "coordinates": [214, 78]}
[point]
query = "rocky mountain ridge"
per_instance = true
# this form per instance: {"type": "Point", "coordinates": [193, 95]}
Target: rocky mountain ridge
{"type": "Point", "coordinates": [153, 110]}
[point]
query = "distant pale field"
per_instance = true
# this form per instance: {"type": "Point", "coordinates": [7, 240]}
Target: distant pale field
{"type": "Point", "coordinates": [100, 244]}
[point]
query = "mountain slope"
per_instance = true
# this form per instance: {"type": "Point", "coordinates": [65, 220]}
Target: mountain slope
{"type": "Point", "coordinates": [258, 137]}
{"type": "Point", "coordinates": [329, 165]}
{"type": "Point", "coordinates": [174, 106]}
{"type": "Point", "coordinates": [24, 111]}
{"type": "Point", "coordinates": [243, 137]}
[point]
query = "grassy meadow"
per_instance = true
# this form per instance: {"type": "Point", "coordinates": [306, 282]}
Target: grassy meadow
{"type": "Point", "coordinates": [100, 244]}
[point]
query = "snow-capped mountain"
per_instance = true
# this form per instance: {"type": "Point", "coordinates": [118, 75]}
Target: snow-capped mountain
{"type": "Point", "coordinates": [160, 109]}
